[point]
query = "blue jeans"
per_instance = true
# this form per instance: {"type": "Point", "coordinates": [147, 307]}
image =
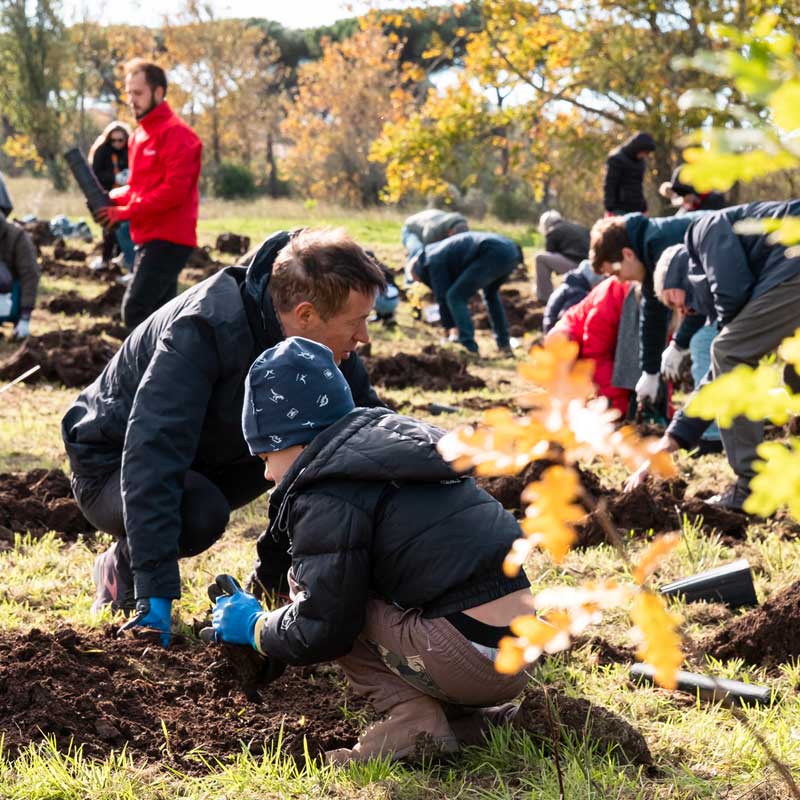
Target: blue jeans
{"type": "Point", "coordinates": [488, 272]}
{"type": "Point", "coordinates": [700, 349]}
{"type": "Point", "coordinates": [125, 243]}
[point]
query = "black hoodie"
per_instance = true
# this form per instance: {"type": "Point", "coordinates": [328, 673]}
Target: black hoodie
{"type": "Point", "coordinates": [171, 400]}
{"type": "Point", "coordinates": [370, 507]}
{"type": "Point", "coordinates": [623, 191]}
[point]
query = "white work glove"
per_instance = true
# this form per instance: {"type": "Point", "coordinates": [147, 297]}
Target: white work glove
{"type": "Point", "coordinates": [671, 360]}
{"type": "Point", "coordinates": [647, 387]}
{"type": "Point", "coordinates": [22, 330]}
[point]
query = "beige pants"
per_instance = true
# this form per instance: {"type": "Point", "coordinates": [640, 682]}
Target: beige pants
{"type": "Point", "coordinates": [547, 263]}
{"type": "Point", "coordinates": [433, 686]}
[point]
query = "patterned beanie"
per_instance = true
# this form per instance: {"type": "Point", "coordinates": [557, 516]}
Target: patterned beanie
{"type": "Point", "coordinates": [292, 392]}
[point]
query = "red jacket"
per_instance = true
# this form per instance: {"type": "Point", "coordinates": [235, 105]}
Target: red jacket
{"type": "Point", "coordinates": [594, 323]}
{"type": "Point", "coordinates": [161, 200]}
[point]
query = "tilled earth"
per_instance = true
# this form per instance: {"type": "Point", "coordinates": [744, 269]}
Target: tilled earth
{"type": "Point", "coordinates": [433, 369]}
{"type": "Point", "coordinates": [103, 693]}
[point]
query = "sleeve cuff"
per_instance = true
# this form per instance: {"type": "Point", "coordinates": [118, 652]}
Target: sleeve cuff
{"type": "Point", "coordinates": [163, 581]}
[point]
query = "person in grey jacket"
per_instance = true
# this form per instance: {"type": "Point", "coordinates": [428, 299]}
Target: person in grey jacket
{"type": "Point", "coordinates": [566, 244]}
{"type": "Point", "coordinates": [6, 206]}
{"type": "Point", "coordinates": [751, 287]}
{"type": "Point", "coordinates": [155, 443]}
{"type": "Point", "coordinates": [396, 559]}
{"type": "Point", "coordinates": [19, 277]}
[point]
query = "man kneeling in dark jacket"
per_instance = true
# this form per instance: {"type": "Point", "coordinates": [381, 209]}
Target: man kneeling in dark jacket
{"type": "Point", "coordinates": [396, 559]}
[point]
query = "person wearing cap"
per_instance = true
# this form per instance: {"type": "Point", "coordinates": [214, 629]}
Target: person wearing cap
{"type": "Point", "coordinates": [566, 244]}
{"type": "Point", "coordinates": [397, 559]}
{"type": "Point", "coordinates": [623, 188]}
{"type": "Point", "coordinates": [156, 446]}
{"type": "Point", "coordinates": [686, 198]}
{"type": "Point", "coordinates": [750, 286]}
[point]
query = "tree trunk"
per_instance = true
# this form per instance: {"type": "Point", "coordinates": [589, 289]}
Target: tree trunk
{"type": "Point", "coordinates": [272, 167]}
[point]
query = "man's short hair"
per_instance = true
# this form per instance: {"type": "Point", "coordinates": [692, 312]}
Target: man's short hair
{"type": "Point", "coordinates": [609, 235]}
{"type": "Point", "coordinates": [154, 76]}
{"type": "Point", "coordinates": [321, 266]}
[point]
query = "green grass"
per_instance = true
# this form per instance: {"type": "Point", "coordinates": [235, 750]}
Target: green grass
{"type": "Point", "coordinates": [701, 752]}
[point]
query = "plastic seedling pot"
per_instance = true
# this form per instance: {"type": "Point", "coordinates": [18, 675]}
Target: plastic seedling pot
{"type": "Point", "coordinates": [731, 584]}
{"type": "Point", "coordinates": [720, 690]}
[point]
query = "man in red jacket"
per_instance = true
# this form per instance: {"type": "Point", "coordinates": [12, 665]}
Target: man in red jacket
{"type": "Point", "coordinates": [161, 199]}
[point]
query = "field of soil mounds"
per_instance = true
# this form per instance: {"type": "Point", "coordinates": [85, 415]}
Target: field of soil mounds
{"type": "Point", "coordinates": [104, 693]}
{"type": "Point", "coordinates": [63, 253]}
{"type": "Point", "coordinates": [524, 316]}
{"type": "Point", "coordinates": [73, 358]}
{"type": "Point", "coordinates": [767, 635]}
{"type": "Point", "coordinates": [38, 501]}
{"type": "Point", "coordinates": [106, 304]}
{"type": "Point", "coordinates": [433, 369]}
{"type": "Point", "coordinates": [63, 269]}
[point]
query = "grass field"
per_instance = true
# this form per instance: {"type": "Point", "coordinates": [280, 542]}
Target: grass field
{"type": "Point", "coordinates": [701, 752]}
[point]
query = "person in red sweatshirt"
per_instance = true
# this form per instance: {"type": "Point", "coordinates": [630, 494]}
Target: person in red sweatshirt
{"type": "Point", "coordinates": [594, 324]}
{"type": "Point", "coordinates": [161, 199]}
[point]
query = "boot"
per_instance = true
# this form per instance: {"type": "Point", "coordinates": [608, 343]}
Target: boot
{"type": "Point", "coordinates": [113, 579]}
{"type": "Point", "coordinates": [418, 726]}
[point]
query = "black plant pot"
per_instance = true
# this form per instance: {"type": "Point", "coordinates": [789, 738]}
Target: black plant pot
{"type": "Point", "coordinates": [731, 584]}
{"type": "Point", "coordinates": [441, 408]}
{"type": "Point", "coordinates": [716, 690]}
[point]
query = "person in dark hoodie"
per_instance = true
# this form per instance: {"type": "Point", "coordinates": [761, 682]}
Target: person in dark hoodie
{"type": "Point", "coordinates": [457, 268]}
{"type": "Point", "coordinates": [576, 285]}
{"type": "Point", "coordinates": [623, 190]}
{"type": "Point", "coordinates": [155, 443]}
{"type": "Point", "coordinates": [751, 287]}
{"type": "Point", "coordinates": [397, 560]}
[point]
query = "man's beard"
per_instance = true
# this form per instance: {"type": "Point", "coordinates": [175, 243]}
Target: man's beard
{"type": "Point", "coordinates": [152, 105]}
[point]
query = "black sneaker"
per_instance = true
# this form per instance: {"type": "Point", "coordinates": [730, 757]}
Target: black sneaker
{"type": "Point", "coordinates": [113, 579]}
{"type": "Point", "coordinates": [732, 499]}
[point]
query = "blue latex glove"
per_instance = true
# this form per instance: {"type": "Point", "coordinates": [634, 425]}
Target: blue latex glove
{"type": "Point", "coordinates": [235, 616]}
{"type": "Point", "coordinates": [155, 613]}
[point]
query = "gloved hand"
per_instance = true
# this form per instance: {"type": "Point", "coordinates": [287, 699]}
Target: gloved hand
{"type": "Point", "coordinates": [108, 217]}
{"type": "Point", "coordinates": [154, 613]}
{"type": "Point", "coordinates": [671, 360]}
{"type": "Point", "coordinates": [647, 387]}
{"type": "Point", "coordinates": [22, 330]}
{"type": "Point", "coordinates": [235, 614]}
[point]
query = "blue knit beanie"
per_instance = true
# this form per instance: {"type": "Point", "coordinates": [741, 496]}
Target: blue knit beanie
{"type": "Point", "coordinates": [292, 392]}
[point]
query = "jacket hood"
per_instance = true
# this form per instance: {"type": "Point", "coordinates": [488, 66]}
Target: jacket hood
{"type": "Point", "coordinates": [259, 270]}
{"type": "Point", "coordinates": [675, 261]}
{"type": "Point", "coordinates": [372, 444]}
{"type": "Point", "coordinates": [638, 143]}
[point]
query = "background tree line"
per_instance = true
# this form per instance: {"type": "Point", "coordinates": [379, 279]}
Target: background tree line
{"type": "Point", "coordinates": [531, 97]}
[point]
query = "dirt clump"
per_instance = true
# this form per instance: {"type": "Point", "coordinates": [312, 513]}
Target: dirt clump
{"type": "Point", "coordinates": [39, 501]}
{"type": "Point", "coordinates": [103, 693]}
{"type": "Point", "coordinates": [63, 253]}
{"type": "Point", "coordinates": [232, 244]}
{"type": "Point", "coordinates": [106, 304]}
{"type": "Point", "coordinates": [71, 357]}
{"type": "Point", "coordinates": [581, 720]}
{"type": "Point", "coordinates": [524, 316]}
{"type": "Point", "coordinates": [39, 231]}
{"type": "Point", "coordinates": [605, 653]}
{"type": "Point", "coordinates": [432, 370]}
{"type": "Point", "coordinates": [768, 635]}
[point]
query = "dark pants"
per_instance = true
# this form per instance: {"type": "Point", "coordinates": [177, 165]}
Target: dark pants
{"type": "Point", "coordinates": [155, 279]}
{"type": "Point", "coordinates": [205, 508]}
{"type": "Point", "coordinates": [109, 244]}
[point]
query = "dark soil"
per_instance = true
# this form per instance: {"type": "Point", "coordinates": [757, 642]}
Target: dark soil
{"type": "Point", "coordinates": [63, 253]}
{"type": "Point", "coordinates": [524, 316]}
{"type": "Point", "coordinates": [39, 231]}
{"type": "Point", "coordinates": [61, 269]}
{"type": "Point", "coordinates": [767, 635]}
{"type": "Point", "coordinates": [201, 264]}
{"type": "Point", "coordinates": [73, 358]}
{"type": "Point", "coordinates": [431, 370]}
{"type": "Point", "coordinates": [103, 693]}
{"type": "Point", "coordinates": [581, 720]}
{"type": "Point", "coordinates": [38, 501]}
{"type": "Point", "coordinates": [106, 304]}
{"type": "Point", "coordinates": [605, 653]}
{"type": "Point", "coordinates": [232, 243]}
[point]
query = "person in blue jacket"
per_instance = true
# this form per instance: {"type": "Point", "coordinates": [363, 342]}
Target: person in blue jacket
{"type": "Point", "coordinates": [751, 287]}
{"type": "Point", "coordinates": [576, 285]}
{"type": "Point", "coordinates": [457, 268]}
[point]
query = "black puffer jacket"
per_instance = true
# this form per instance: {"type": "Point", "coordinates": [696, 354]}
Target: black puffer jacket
{"type": "Point", "coordinates": [371, 507]}
{"type": "Point", "coordinates": [570, 239]}
{"type": "Point", "coordinates": [171, 400]}
{"type": "Point", "coordinates": [623, 191]}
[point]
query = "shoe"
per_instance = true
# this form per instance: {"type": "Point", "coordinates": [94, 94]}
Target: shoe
{"type": "Point", "coordinates": [732, 499]}
{"type": "Point", "coordinates": [97, 264]}
{"type": "Point", "coordinates": [113, 580]}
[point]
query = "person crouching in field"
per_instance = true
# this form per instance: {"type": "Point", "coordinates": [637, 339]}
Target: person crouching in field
{"type": "Point", "coordinates": [456, 268]}
{"type": "Point", "coordinates": [396, 559]}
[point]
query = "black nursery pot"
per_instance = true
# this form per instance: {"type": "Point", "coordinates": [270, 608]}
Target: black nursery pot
{"type": "Point", "coordinates": [714, 690]}
{"type": "Point", "coordinates": [731, 584]}
{"type": "Point", "coordinates": [441, 408]}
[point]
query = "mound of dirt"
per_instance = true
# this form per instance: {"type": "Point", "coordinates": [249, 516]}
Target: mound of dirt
{"type": "Point", "coordinates": [101, 692]}
{"type": "Point", "coordinates": [106, 304]}
{"type": "Point", "coordinates": [39, 501]}
{"type": "Point", "coordinates": [39, 231]}
{"type": "Point", "coordinates": [61, 269]}
{"type": "Point", "coordinates": [232, 243]}
{"type": "Point", "coordinates": [202, 264]}
{"type": "Point", "coordinates": [581, 720]}
{"type": "Point", "coordinates": [524, 316]}
{"type": "Point", "coordinates": [63, 253]}
{"type": "Point", "coordinates": [767, 635]}
{"type": "Point", "coordinates": [431, 370]}
{"type": "Point", "coordinates": [74, 358]}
